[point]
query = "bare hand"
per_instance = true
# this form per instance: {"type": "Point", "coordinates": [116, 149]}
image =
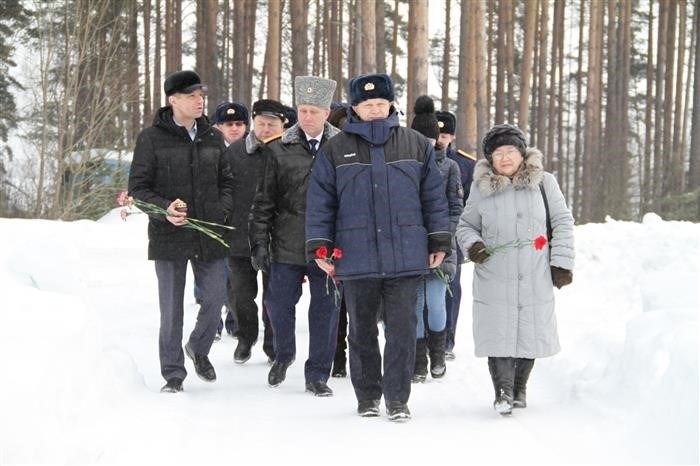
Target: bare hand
{"type": "Point", "coordinates": [326, 267]}
{"type": "Point", "coordinates": [435, 259]}
{"type": "Point", "coordinates": [176, 218]}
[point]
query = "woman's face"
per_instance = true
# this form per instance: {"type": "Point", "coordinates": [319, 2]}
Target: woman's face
{"type": "Point", "coordinates": [506, 160]}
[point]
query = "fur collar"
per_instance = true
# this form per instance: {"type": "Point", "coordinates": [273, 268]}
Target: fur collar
{"type": "Point", "coordinates": [529, 175]}
{"type": "Point", "coordinates": [294, 134]}
{"type": "Point", "coordinates": [252, 143]}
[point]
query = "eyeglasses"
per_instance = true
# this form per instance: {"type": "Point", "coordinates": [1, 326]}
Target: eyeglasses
{"type": "Point", "coordinates": [510, 154]}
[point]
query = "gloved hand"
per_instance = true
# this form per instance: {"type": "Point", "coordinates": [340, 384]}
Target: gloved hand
{"type": "Point", "coordinates": [477, 253]}
{"type": "Point", "coordinates": [260, 259]}
{"type": "Point", "coordinates": [561, 277]}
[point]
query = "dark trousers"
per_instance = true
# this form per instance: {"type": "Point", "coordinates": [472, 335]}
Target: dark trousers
{"type": "Point", "coordinates": [282, 297]}
{"type": "Point", "coordinates": [453, 303]}
{"type": "Point", "coordinates": [211, 282]}
{"type": "Point", "coordinates": [242, 291]}
{"type": "Point", "coordinates": [395, 300]}
{"type": "Point", "coordinates": [341, 341]}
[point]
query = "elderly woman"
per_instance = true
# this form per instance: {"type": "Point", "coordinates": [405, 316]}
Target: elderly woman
{"type": "Point", "coordinates": [513, 309]}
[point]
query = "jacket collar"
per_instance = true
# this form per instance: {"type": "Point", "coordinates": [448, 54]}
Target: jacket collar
{"type": "Point", "coordinates": [375, 131]}
{"type": "Point", "coordinates": [529, 175]}
{"type": "Point", "coordinates": [295, 135]}
{"type": "Point", "coordinates": [164, 119]}
{"type": "Point", "coordinates": [252, 143]}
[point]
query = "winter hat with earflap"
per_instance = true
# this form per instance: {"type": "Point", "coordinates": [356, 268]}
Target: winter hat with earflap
{"type": "Point", "coordinates": [424, 120]}
{"type": "Point", "coordinates": [503, 135]}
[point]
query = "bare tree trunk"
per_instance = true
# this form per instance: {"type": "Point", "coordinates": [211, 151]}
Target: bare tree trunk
{"type": "Point", "coordinates": [482, 76]}
{"type": "Point", "coordinates": [578, 147]}
{"type": "Point", "coordinates": [670, 43]}
{"type": "Point", "coordinates": [206, 51]}
{"type": "Point", "coordinates": [146, 115]}
{"type": "Point", "coordinates": [530, 26]}
{"type": "Point", "coordinates": [647, 186]}
{"type": "Point", "coordinates": [272, 58]}
{"type": "Point", "coordinates": [446, 58]}
{"type": "Point", "coordinates": [552, 158]}
{"type": "Point", "coordinates": [592, 126]}
{"type": "Point", "coordinates": [694, 171]}
{"type": "Point", "coordinates": [500, 97]}
{"type": "Point", "coordinates": [395, 41]}
{"type": "Point", "coordinates": [133, 86]}
{"type": "Point", "coordinates": [510, 61]}
{"type": "Point", "coordinates": [300, 41]}
{"type": "Point", "coordinates": [463, 76]}
{"type": "Point", "coordinates": [657, 161]}
{"type": "Point", "coordinates": [677, 156]}
{"type": "Point", "coordinates": [316, 64]}
{"type": "Point", "coordinates": [157, 61]}
{"type": "Point", "coordinates": [335, 48]}
{"type": "Point", "coordinates": [417, 81]}
{"type": "Point", "coordinates": [250, 10]}
{"type": "Point", "coordinates": [369, 40]}
{"type": "Point", "coordinates": [542, 123]}
{"type": "Point", "coordinates": [380, 39]}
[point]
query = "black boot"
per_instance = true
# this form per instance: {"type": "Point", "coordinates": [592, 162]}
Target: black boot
{"type": "Point", "coordinates": [522, 373]}
{"type": "Point", "coordinates": [436, 346]}
{"type": "Point", "coordinates": [502, 374]}
{"type": "Point", "coordinates": [420, 368]}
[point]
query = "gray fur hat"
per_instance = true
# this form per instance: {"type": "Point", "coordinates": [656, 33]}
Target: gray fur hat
{"type": "Point", "coordinates": [312, 90]}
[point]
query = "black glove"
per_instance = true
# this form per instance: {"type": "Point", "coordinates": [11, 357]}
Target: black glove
{"type": "Point", "coordinates": [561, 277]}
{"type": "Point", "coordinates": [260, 259]}
{"type": "Point", "coordinates": [477, 253]}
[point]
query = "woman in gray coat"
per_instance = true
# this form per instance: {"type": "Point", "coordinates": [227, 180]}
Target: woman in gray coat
{"type": "Point", "coordinates": [513, 309]}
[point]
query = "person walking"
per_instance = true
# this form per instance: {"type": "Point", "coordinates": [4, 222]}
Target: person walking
{"type": "Point", "coordinates": [513, 204]}
{"type": "Point", "coordinates": [277, 225]}
{"type": "Point", "coordinates": [180, 161]}
{"type": "Point", "coordinates": [376, 194]}
{"type": "Point", "coordinates": [247, 163]}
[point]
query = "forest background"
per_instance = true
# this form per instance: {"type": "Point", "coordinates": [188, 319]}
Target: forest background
{"type": "Point", "coordinates": [606, 89]}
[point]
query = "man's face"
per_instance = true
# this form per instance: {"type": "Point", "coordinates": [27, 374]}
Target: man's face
{"type": "Point", "coordinates": [445, 139]}
{"type": "Point", "coordinates": [312, 118]}
{"type": "Point", "coordinates": [187, 106]}
{"type": "Point", "coordinates": [372, 109]}
{"type": "Point", "coordinates": [232, 130]}
{"type": "Point", "coordinates": [265, 126]}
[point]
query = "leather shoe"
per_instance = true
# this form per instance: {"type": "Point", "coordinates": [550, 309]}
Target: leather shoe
{"type": "Point", "coordinates": [319, 388]}
{"type": "Point", "coordinates": [368, 408]}
{"type": "Point", "coordinates": [242, 352]}
{"type": "Point", "coordinates": [174, 385]}
{"type": "Point", "coordinates": [202, 366]}
{"type": "Point", "coordinates": [278, 372]}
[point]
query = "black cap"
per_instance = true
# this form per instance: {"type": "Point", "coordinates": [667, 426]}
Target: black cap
{"type": "Point", "coordinates": [446, 122]}
{"type": "Point", "coordinates": [183, 82]}
{"type": "Point", "coordinates": [503, 135]}
{"type": "Point", "coordinates": [270, 107]}
{"type": "Point", "coordinates": [291, 115]}
{"type": "Point", "coordinates": [231, 111]}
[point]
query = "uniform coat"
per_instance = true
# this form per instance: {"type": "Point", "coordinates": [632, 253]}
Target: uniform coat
{"type": "Point", "coordinates": [513, 294]}
{"type": "Point", "coordinates": [376, 193]}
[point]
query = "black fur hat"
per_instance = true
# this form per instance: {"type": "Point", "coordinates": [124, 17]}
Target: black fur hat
{"type": "Point", "coordinates": [270, 107]}
{"type": "Point", "coordinates": [424, 120]}
{"type": "Point", "coordinates": [446, 122]}
{"type": "Point", "coordinates": [503, 135]}
{"type": "Point", "coordinates": [183, 82]}
{"type": "Point", "coordinates": [231, 111]}
{"type": "Point", "coordinates": [370, 86]}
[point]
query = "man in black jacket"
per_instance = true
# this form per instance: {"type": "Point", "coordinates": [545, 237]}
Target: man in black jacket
{"type": "Point", "coordinates": [277, 223]}
{"type": "Point", "coordinates": [247, 161]}
{"type": "Point", "coordinates": [180, 160]}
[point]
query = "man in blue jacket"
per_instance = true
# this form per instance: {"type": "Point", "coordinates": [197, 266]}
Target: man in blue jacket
{"type": "Point", "coordinates": [376, 194]}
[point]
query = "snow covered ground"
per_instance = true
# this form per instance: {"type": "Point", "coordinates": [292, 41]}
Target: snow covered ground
{"type": "Point", "coordinates": [80, 384]}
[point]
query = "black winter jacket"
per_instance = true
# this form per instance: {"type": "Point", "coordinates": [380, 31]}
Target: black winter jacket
{"type": "Point", "coordinates": [168, 165]}
{"type": "Point", "coordinates": [247, 161]}
{"type": "Point", "coordinates": [279, 209]}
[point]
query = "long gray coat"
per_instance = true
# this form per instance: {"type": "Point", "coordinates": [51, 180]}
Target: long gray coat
{"type": "Point", "coordinates": [513, 294]}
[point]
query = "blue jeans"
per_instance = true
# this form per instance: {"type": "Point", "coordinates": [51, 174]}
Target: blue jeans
{"type": "Point", "coordinates": [283, 294]}
{"type": "Point", "coordinates": [431, 291]}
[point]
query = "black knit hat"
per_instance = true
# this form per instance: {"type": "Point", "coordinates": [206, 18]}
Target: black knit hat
{"type": "Point", "coordinates": [370, 86]}
{"type": "Point", "coordinates": [270, 107]}
{"type": "Point", "coordinates": [503, 135]}
{"type": "Point", "coordinates": [424, 120]}
{"type": "Point", "coordinates": [446, 122]}
{"type": "Point", "coordinates": [183, 82]}
{"type": "Point", "coordinates": [231, 111]}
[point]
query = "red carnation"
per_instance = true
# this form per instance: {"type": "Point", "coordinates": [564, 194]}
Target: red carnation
{"type": "Point", "coordinates": [540, 242]}
{"type": "Point", "coordinates": [337, 253]}
{"type": "Point", "coordinates": [322, 252]}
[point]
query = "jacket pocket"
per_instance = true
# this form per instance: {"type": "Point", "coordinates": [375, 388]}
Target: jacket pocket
{"type": "Point", "coordinates": [351, 237]}
{"type": "Point", "coordinates": [413, 240]}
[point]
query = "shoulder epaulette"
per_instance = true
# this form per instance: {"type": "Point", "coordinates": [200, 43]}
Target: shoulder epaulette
{"type": "Point", "coordinates": [272, 138]}
{"type": "Point", "coordinates": [466, 154]}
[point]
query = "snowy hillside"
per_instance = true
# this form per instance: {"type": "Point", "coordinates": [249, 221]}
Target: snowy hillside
{"type": "Point", "coordinates": [79, 331]}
